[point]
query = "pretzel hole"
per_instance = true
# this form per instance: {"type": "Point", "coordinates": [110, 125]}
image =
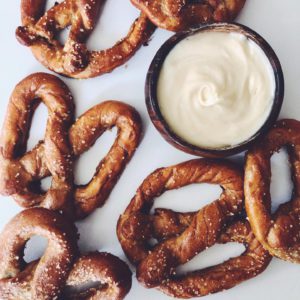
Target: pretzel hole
{"type": "Point", "coordinates": [88, 161]}
{"type": "Point", "coordinates": [36, 134]}
{"type": "Point", "coordinates": [199, 195]}
{"type": "Point", "coordinates": [40, 186]}
{"type": "Point", "coordinates": [281, 181]}
{"type": "Point", "coordinates": [34, 248]}
{"type": "Point", "coordinates": [152, 242]}
{"type": "Point", "coordinates": [111, 32]}
{"type": "Point", "coordinates": [196, 2]}
{"type": "Point", "coordinates": [50, 4]}
{"type": "Point", "coordinates": [212, 256]}
{"type": "Point", "coordinates": [84, 290]}
{"type": "Point", "coordinates": [38, 126]}
{"type": "Point", "coordinates": [63, 35]}
{"type": "Point", "coordinates": [45, 184]}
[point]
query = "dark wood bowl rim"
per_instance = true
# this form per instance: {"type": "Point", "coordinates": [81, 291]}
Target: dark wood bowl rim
{"type": "Point", "coordinates": [153, 75]}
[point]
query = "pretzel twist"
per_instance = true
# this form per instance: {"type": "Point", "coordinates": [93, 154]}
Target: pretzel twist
{"type": "Point", "coordinates": [55, 274]}
{"type": "Point", "coordinates": [177, 15]}
{"type": "Point", "coordinates": [182, 236]}
{"type": "Point", "coordinates": [84, 133]}
{"type": "Point", "coordinates": [279, 233]}
{"type": "Point", "coordinates": [20, 175]}
{"type": "Point", "coordinates": [226, 275]}
{"type": "Point", "coordinates": [39, 32]}
{"type": "Point", "coordinates": [45, 278]}
{"type": "Point", "coordinates": [18, 172]}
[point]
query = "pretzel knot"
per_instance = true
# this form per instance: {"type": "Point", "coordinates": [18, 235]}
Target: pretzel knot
{"type": "Point", "coordinates": [181, 236]}
{"type": "Point", "coordinates": [177, 15]}
{"type": "Point", "coordinates": [279, 232]}
{"type": "Point", "coordinates": [18, 171]}
{"type": "Point", "coordinates": [39, 32]}
{"type": "Point", "coordinates": [61, 272]}
{"type": "Point", "coordinates": [21, 174]}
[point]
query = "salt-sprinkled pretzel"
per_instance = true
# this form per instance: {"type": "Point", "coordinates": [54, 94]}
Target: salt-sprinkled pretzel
{"type": "Point", "coordinates": [39, 32]}
{"type": "Point", "coordinates": [45, 278]}
{"type": "Point", "coordinates": [110, 275]}
{"type": "Point", "coordinates": [19, 172]}
{"type": "Point", "coordinates": [84, 133]}
{"type": "Point", "coordinates": [279, 233]}
{"type": "Point", "coordinates": [20, 176]}
{"type": "Point", "coordinates": [177, 15]}
{"type": "Point", "coordinates": [182, 236]}
{"type": "Point", "coordinates": [60, 273]}
{"type": "Point", "coordinates": [254, 260]}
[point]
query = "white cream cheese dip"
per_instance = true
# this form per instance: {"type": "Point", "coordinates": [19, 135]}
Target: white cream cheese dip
{"type": "Point", "coordinates": [216, 89]}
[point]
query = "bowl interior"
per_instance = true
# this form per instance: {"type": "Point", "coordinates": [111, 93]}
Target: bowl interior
{"type": "Point", "coordinates": [153, 76]}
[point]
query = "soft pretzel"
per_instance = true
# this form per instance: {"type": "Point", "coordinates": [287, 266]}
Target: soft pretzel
{"type": "Point", "coordinates": [45, 278]}
{"type": "Point", "coordinates": [18, 171]}
{"type": "Point", "coordinates": [60, 271]}
{"type": "Point", "coordinates": [111, 276]}
{"type": "Point", "coordinates": [182, 236]}
{"type": "Point", "coordinates": [177, 15]}
{"type": "Point", "coordinates": [226, 275]}
{"type": "Point", "coordinates": [83, 134]}
{"type": "Point", "coordinates": [20, 175]}
{"type": "Point", "coordinates": [39, 32]}
{"type": "Point", "coordinates": [280, 232]}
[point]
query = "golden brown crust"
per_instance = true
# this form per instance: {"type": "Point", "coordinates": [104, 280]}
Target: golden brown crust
{"type": "Point", "coordinates": [74, 59]}
{"type": "Point", "coordinates": [86, 130]}
{"type": "Point", "coordinates": [279, 233]}
{"type": "Point", "coordinates": [113, 274]}
{"type": "Point", "coordinates": [45, 278]}
{"type": "Point", "coordinates": [51, 276]}
{"type": "Point", "coordinates": [177, 15]}
{"type": "Point", "coordinates": [182, 236]}
{"type": "Point", "coordinates": [20, 174]}
{"type": "Point", "coordinates": [226, 275]}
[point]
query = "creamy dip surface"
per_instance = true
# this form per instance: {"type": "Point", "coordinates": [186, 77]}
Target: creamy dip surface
{"type": "Point", "coordinates": [216, 89]}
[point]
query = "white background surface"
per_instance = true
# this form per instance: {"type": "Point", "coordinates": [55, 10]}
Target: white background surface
{"type": "Point", "coordinates": [276, 20]}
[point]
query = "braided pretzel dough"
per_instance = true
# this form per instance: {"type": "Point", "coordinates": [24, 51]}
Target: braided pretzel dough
{"type": "Point", "coordinates": [279, 233]}
{"type": "Point", "coordinates": [83, 134]}
{"type": "Point", "coordinates": [177, 15]}
{"type": "Point", "coordinates": [220, 277]}
{"type": "Point", "coordinates": [39, 32]}
{"type": "Point", "coordinates": [182, 236]}
{"type": "Point", "coordinates": [18, 171]}
{"type": "Point", "coordinates": [55, 273]}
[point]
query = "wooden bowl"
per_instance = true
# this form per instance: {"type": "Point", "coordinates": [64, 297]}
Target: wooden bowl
{"type": "Point", "coordinates": [152, 80]}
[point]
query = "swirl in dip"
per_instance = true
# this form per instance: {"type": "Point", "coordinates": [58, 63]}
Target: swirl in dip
{"type": "Point", "coordinates": [216, 89]}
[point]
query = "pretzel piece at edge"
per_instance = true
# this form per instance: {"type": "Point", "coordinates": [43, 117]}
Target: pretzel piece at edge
{"type": "Point", "coordinates": [279, 233]}
{"type": "Point", "coordinates": [61, 269]}
{"type": "Point", "coordinates": [178, 15]}
{"type": "Point", "coordinates": [18, 174]}
{"type": "Point", "coordinates": [74, 59]}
